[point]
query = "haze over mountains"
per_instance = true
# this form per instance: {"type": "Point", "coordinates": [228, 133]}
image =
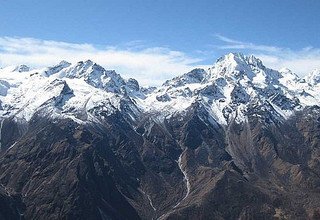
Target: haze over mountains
{"type": "Point", "coordinates": [236, 141]}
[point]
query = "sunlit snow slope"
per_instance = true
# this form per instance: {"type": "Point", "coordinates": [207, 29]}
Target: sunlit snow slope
{"type": "Point", "coordinates": [85, 90]}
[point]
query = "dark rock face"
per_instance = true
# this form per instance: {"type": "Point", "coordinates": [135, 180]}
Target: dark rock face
{"type": "Point", "coordinates": [9, 205]}
{"type": "Point", "coordinates": [61, 171]}
{"type": "Point", "coordinates": [11, 130]}
{"type": "Point", "coordinates": [184, 167]}
{"type": "Point", "coordinates": [133, 84]}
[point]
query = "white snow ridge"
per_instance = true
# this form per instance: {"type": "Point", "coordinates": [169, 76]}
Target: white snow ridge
{"type": "Point", "coordinates": [82, 91]}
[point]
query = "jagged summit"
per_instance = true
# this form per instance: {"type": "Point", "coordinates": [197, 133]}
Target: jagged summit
{"type": "Point", "coordinates": [233, 84]}
{"type": "Point", "coordinates": [64, 63]}
{"type": "Point", "coordinates": [21, 68]}
{"type": "Point", "coordinates": [194, 76]}
{"type": "Point", "coordinates": [92, 73]}
{"type": "Point", "coordinates": [234, 65]}
{"type": "Point", "coordinates": [314, 77]}
{"type": "Point", "coordinates": [239, 60]}
{"type": "Point", "coordinates": [238, 66]}
{"type": "Point", "coordinates": [56, 68]}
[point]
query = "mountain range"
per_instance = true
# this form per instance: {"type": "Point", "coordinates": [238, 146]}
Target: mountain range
{"type": "Point", "coordinates": [236, 141]}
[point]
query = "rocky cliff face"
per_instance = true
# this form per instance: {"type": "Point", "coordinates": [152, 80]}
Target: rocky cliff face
{"type": "Point", "coordinates": [10, 205]}
{"type": "Point", "coordinates": [238, 141]}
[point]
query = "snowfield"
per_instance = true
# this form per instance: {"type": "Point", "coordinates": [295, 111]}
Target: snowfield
{"type": "Point", "coordinates": [84, 91]}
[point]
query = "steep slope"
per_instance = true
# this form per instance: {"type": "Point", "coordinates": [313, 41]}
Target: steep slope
{"type": "Point", "coordinates": [238, 141]}
{"type": "Point", "coordinates": [9, 205]}
{"type": "Point", "coordinates": [231, 85]}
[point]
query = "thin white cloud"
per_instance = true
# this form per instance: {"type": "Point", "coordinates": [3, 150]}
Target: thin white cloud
{"type": "Point", "coordinates": [235, 44]}
{"type": "Point", "coordinates": [301, 61]}
{"type": "Point", "coordinates": [151, 66]}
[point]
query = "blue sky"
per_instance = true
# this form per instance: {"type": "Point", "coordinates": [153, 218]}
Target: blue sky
{"type": "Point", "coordinates": [175, 35]}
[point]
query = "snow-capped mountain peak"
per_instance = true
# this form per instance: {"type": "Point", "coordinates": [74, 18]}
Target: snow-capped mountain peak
{"type": "Point", "coordinates": [21, 68]}
{"type": "Point", "coordinates": [56, 68]}
{"type": "Point", "coordinates": [90, 72]}
{"type": "Point", "coordinates": [239, 60]}
{"type": "Point", "coordinates": [227, 90]}
{"type": "Point", "coordinates": [194, 76]}
{"type": "Point", "coordinates": [83, 69]}
{"type": "Point", "coordinates": [231, 87]}
{"type": "Point", "coordinates": [314, 77]}
{"type": "Point", "coordinates": [288, 76]}
{"type": "Point", "coordinates": [237, 66]}
{"type": "Point", "coordinates": [17, 69]}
